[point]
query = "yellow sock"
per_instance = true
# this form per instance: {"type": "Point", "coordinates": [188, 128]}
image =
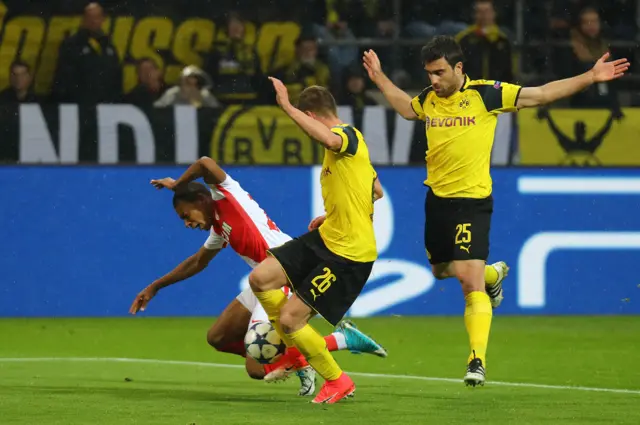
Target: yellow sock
{"type": "Point", "coordinates": [314, 349]}
{"type": "Point", "coordinates": [272, 301]}
{"type": "Point", "coordinates": [490, 275]}
{"type": "Point", "coordinates": [477, 319]}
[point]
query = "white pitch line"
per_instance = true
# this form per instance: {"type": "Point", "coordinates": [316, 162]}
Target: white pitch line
{"type": "Point", "coordinates": [366, 375]}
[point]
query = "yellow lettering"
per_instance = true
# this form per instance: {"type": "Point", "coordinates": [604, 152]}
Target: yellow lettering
{"type": "Point", "coordinates": [60, 27]}
{"type": "Point", "coordinates": [151, 35]}
{"type": "Point", "coordinates": [276, 44]}
{"type": "Point", "coordinates": [24, 35]}
{"type": "Point", "coordinates": [120, 35]}
{"type": "Point", "coordinates": [463, 233]}
{"type": "Point", "coordinates": [323, 282]}
{"type": "Point", "coordinates": [106, 25]}
{"type": "Point", "coordinates": [193, 39]}
{"type": "Point", "coordinates": [3, 13]}
{"type": "Point", "coordinates": [120, 39]}
{"type": "Point", "coordinates": [172, 74]}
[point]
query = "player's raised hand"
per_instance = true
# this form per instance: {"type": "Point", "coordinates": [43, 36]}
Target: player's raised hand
{"type": "Point", "coordinates": [282, 94]}
{"type": "Point", "coordinates": [316, 222]}
{"type": "Point", "coordinates": [372, 64]}
{"type": "Point", "coordinates": [167, 182]}
{"type": "Point", "coordinates": [607, 71]}
{"type": "Point", "coordinates": [142, 299]}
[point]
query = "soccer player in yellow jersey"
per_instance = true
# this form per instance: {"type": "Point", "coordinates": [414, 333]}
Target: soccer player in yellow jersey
{"type": "Point", "coordinates": [327, 267]}
{"type": "Point", "coordinates": [461, 116]}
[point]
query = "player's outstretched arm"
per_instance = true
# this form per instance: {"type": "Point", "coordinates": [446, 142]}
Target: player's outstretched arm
{"type": "Point", "coordinates": [205, 168]}
{"type": "Point", "coordinates": [602, 71]}
{"type": "Point", "coordinates": [316, 130]}
{"type": "Point", "coordinates": [399, 100]}
{"type": "Point", "coordinates": [189, 267]}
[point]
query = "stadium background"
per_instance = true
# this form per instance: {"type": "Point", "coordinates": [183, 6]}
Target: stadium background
{"type": "Point", "coordinates": [96, 220]}
{"type": "Point", "coordinates": [86, 123]}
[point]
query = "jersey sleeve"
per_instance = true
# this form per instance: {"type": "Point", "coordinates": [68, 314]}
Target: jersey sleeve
{"type": "Point", "coordinates": [349, 139]}
{"type": "Point", "coordinates": [418, 101]}
{"type": "Point", "coordinates": [500, 97]}
{"type": "Point", "coordinates": [510, 93]}
{"type": "Point", "coordinates": [215, 241]}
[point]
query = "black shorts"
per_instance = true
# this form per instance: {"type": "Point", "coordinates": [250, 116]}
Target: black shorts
{"type": "Point", "coordinates": [326, 282]}
{"type": "Point", "coordinates": [457, 228]}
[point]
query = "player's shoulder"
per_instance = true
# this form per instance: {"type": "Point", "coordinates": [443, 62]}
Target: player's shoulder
{"type": "Point", "coordinates": [482, 85]}
{"type": "Point", "coordinates": [349, 130]}
{"type": "Point", "coordinates": [490, 91]}
{"type": "Point", "coordinates": [422, 96]}
{"type": "Point", "coordinates": [352, 139]}
{"type": "Point", "coordinates": [228, 186]}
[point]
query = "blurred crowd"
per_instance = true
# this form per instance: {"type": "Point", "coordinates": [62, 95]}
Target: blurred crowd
{"type": "Point", "coordinates": [89, 70]}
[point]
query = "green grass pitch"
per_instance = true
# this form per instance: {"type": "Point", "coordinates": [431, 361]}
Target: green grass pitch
{"type": "Point", "coordinates": [535, 367]}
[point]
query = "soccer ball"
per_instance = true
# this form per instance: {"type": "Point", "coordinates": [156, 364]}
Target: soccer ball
{"type": "Point", "coordinates": [263, 343]}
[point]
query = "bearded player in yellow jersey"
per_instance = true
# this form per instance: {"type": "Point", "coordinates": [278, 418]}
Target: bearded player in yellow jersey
{"type": "Point", "coordinates": [461, 116]}
{"type": "Point", "coordinates": [327, 267]}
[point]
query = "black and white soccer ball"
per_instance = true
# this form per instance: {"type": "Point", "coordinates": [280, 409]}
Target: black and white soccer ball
{"type": "Point", "coordinates": [263, 343]}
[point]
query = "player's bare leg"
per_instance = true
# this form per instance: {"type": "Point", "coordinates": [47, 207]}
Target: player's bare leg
{"type": "Point", "coordinates": [478, 312]}
{"type": "Point", "coordinates": [227, 332]}
{"type": "Point", "coordinates": [267, 281]}
{"type": "Point", "coordinates": [227, 335]}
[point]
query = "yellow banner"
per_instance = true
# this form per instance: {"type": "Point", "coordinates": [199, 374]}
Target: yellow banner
{"type": "Point", "coordinates": [579, 137]}
{"type": "Point", "coordinates": [173, 44]}
{"type": "Point", "coordinates": [262, 135]}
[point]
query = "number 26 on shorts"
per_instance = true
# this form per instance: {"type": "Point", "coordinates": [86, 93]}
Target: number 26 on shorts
{"type": "Point", "coordinates": [322, 282]}
{"type": "Point", "coordinates": [463, 233]}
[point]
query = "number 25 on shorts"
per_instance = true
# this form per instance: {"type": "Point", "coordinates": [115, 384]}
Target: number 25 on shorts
{"type": "Point", "coordinates": [322, 282]}
{"type": "Point", "coordinates": [463, 233]}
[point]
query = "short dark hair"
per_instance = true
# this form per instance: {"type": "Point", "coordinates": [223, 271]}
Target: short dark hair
{"type": "Point", "coordinates": [21, 64]}
{"type": "Point", "coordinates": [189, 192]}
{"type": "Point", "coordinates": [319, 100]}
{"type": "Point", "coordinates": [442, 46]}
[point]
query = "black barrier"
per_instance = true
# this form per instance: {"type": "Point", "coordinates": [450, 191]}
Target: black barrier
{"type": "Point", "coordinates": [264, 135]}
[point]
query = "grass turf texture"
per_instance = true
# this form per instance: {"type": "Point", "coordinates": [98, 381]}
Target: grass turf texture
{"type": "Point", "coordinates": [600, 352]}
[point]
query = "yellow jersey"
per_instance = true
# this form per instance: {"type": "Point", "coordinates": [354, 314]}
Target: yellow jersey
{"type": "Point", "coordinates": [460, 132]}
{"type": "Point", "coordinates": [347, 181]}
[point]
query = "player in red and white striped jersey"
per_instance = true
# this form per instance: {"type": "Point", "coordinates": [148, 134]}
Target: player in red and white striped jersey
{"type": "Point", "coordinates": [235, 219]}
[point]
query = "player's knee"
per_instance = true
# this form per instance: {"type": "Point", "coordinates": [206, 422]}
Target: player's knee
{"type": "Point", "coordinates": [258, 280]}
{"type": "Point", "coordinates": [440, 271]}
{"type": "Point", "coordinates": [266, 276]}
{"type": "Point", "coordinates": [215, 339]}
